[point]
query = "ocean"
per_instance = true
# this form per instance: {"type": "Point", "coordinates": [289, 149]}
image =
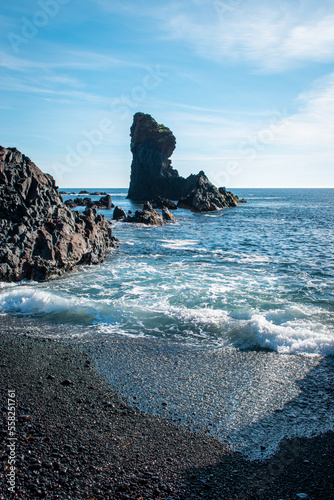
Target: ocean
{"type": "Point", "coordinates": [222, 321]}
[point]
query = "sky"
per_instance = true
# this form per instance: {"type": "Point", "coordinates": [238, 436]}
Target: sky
{"type": "Point", "coordinates": [246, 87]}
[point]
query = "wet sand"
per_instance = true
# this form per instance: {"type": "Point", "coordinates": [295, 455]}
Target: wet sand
{"type": "Point", "coordinates": [77, 438]}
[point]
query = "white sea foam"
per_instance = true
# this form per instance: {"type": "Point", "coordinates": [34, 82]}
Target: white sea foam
{"type": "Point", "coordinates": [291, 330]}
{"type": "Point", "coordinates": [292, 337]}
{"type": "Point", "coordinates": [178, 244]}
{"type": "Point", "coordinates": [205, 316]}
{"type": "Point", "coordinates": [32, 301]}
{"type": "Point", "coordinates": [4, 285]}
{"type": "Point", "coordinates": [266, 198]}
{"type": "Point", "coordinates": [240, 257]}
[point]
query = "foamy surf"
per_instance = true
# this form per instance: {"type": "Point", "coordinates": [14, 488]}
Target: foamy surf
{"type": "Point", "coordinates": [290, 331]}
{"type": "Point", "coordinates": [30, 301]}
{"type": "Point", "coordinates": [241, 280]}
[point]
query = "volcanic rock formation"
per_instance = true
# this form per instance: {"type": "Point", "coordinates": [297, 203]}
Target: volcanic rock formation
{"type": "Point", "coordinates": [119, 213]}
{"type": "Point", "coordinates": [103, 203]}
{"type": "Point", "coordinates": [152, 175]}
{"type": "Point", "coordinates": [41, 238]}
{"type": "Point", "coordinates": [147, 216]}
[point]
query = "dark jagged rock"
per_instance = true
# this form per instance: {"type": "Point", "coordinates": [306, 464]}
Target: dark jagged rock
{"type": "Point", "coordinates": [79, 202]}
{"type": "Point", "coordinates": [152, 175]}
{"type": "Point", "coordinates": [40, 237]}
{"type": "Point", "coordinates": [148, 206]}
{"type": "Point", "coordinates": [151, 172]}
{"type": "Point", "coordinates": [161, 203]}
{"type": "Point", "coordinates": [146, 216]}
{"type": "Point", "coordinates": [205, 197]}
{"type": "Point", "coordinates": [167, 216]}
{"type": "Point", "coordinates": [119, 213]}
{"type": "Point", "coordinates": [231, 198]}
{"type": "Point", "coordinates": [104, 203]}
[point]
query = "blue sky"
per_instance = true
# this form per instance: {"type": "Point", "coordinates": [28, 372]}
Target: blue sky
{"type": "Point", "coordinates": [247, 87]}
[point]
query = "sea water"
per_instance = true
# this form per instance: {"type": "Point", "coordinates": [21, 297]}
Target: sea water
{"type": "Point", "coordinates": [225, 317]}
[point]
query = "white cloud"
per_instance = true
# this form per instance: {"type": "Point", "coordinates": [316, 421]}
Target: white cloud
{"type": "Point", "coordinates": [267, 149]}
{"type": "Point", "coordinates": [313, 41]}
{"type": "Point", "coordinates": [312, 128]}
{"type": "Point", "coordinates": [270, 36]}
{"type": "Point", "coordinates": [67, 59]}
{"type": "Point", "coordinates": [47, 87]}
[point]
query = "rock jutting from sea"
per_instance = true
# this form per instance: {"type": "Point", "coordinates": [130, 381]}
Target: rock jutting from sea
{"type": "Point", "coordinates": [103, 203]}
{"type": "Point", "coordinates": [152, 175]}
{"type": "Point", "coordinates": [40, 237]}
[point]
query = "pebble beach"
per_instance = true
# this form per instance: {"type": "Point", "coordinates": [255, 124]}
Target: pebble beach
{"type": "Point", "coordinates": [78, 438]}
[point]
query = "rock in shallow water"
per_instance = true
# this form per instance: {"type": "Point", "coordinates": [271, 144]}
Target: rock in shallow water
{"type": "Point", "coordinates": [205, 197]}
{"type": "Point", "coordinates": [41, 238]}
{"type": "Point", "coordinates": [163, 203]}
{"type": "Point", "coordinates": [147, 216]}
{"type": "Point", "coordinates": [167, 215]}
{"type": "Point", "coordinates": [152, 175]}
{"type": "Point", "coordinates": [103, 203]}
{"type": "Point", "coordinates": [119, 213]}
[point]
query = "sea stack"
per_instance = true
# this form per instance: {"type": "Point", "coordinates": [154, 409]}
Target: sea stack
{"type": "Point", "coordinates": [40, 237]}
{"type": "Point", "coordinates": [152, 174]}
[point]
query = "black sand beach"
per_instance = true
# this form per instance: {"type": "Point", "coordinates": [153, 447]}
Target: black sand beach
{"type": "Point", "coordinates": [77, 439]}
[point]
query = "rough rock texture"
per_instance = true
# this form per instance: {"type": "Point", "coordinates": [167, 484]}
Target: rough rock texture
{"type": "Point", "coordinates": [167, 215]}
{"type": "Point", "coordinates": [119, 213]}
{"type": "Point", "coordinates": [104, 203]}
{"type": "Point", "coordinates": [205, 197]}
{"type": "Point", "coordinates": [41, 238]}
{"type": "Point", "coordinates": [230, 197]}
{"type": "Point", "coordinates": [163, 203]}
{"type": "Point", "coordinates": [152, 175]}
{"type": "Point", "coordinates": [146, 216]}
{"type": "Point", "coordinates": [151, 172]}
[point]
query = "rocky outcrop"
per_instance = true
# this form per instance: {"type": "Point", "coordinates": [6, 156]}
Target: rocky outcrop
{"type": "Point", "coordinates": [230, 197]}
{"type": "Point", "coordinates": [167, 216]}
{"type": "Point", "coordinates": [205, 197]}
{"type": "Point", "coordinates": [161, 203]}
{"type": "Point", "coordinates": [147, 216]}
{"type": "Point", "coordinates": [103, 203]}
{"type": "Point", "coordinates": [151, 172]}
{"type": "Point", "coordinates": [152, 175]}
{"type": "Point", "coordinates": [41, 238]}
{"type": "Point", "coordinates": [119, 213]}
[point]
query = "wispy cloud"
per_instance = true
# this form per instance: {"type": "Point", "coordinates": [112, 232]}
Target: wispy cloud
{"type": "Point", "coordinates": [270, 37]}
{"type": "Point", "coordinates": [268, 148]}
{"type": "Point", "coordinates": [266, 39]}
{"type": "Point", "coordinates": [66, 59]}
{"type": "Point", "coordinates": [312, 128]}
{"type": "Point", "coordinates": [51, 88]}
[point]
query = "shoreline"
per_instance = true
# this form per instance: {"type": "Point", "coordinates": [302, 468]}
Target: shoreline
{"type": "Point", "coordinates": [86, 442]}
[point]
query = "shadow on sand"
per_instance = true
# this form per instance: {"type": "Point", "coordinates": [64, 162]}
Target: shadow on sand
{"type": "Point", "coordinates": [301, 465]}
